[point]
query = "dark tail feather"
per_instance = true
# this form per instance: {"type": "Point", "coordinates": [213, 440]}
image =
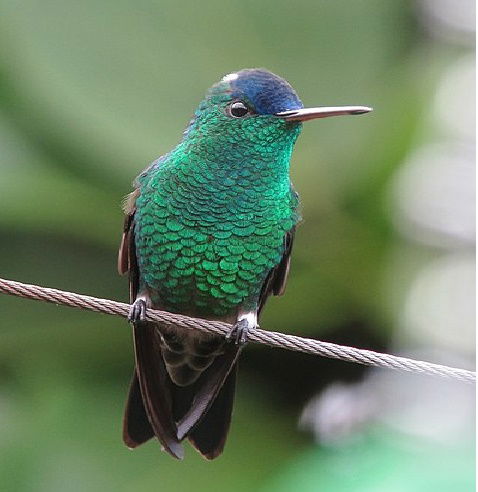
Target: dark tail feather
{"type": "Point", "coordinates": [136, 426]}
{"type": "Point", "coordinates": [209, 435]}
{"type": "Point", "coordinates": [192, 403]}
{"type": "Point", "coordinates": [155, 387]}
{"type": "Point", "coordinates": [203, 410]}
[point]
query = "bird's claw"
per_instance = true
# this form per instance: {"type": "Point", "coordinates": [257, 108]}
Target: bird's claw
{"type": "Point", "coordinates": [239, 332]}
{"type": "Point", "coordinates": [137, 311]}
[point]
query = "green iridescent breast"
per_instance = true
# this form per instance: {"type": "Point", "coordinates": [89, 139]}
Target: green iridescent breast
{"type": "Point", "coordinates": [205, 245]}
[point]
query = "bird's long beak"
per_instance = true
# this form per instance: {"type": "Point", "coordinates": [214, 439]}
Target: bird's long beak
{"type": "Point", "coordinates": [322, 112]}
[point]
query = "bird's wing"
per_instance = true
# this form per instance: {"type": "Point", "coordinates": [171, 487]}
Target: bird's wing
{"type": "Point", "coordinates": [277, 278]}
{"type": "Point", "coordinates": [136, 426]}
{"type": "Point", "coordinates": [149, 407]}
{"type": "Point", "coordinates": [126, 253]}
{"type": "Point", "coordinates": [156, 387]}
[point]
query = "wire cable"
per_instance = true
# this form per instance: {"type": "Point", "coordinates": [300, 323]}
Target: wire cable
{"type": "Point", "coordinates": [271, 338]}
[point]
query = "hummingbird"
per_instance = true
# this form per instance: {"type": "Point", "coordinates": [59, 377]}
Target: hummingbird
{"type": "Point", "coordinates": [208, 233]}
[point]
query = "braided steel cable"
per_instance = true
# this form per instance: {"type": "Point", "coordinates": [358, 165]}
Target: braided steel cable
{"type": "Point", "coordinates": [271, 338]}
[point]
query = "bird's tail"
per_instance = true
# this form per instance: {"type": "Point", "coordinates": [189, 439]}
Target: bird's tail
{"type": "Point", "coordinates": [157, 407]}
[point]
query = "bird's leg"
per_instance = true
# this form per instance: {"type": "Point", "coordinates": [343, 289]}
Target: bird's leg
{"type": "Point", "coordinates": [137, 311]}
{"type": "Point", "coordinates": [240, 331]}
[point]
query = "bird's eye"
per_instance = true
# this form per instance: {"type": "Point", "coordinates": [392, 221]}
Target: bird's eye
{"type": "Point", "coordinates": [238, 109]}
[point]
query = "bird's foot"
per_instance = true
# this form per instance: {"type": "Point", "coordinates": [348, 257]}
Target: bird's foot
{"type": "Point", "coordinates": [137, 311]}
{"type": "Point", "coordinates": [239, 333]}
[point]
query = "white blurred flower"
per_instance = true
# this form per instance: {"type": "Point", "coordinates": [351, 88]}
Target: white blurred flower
{"type": "Point", "coordinates": [448, 19]}
{"type": "Point", "coordinates": [439, 308]}
{"type": "Point", "coordinates": [453, 109]}
{"type": "Point", "coordinates": [434, 196]}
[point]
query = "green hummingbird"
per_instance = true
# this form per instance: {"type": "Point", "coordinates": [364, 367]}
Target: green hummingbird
{"type": "Point", "coordinates": [208, 233]}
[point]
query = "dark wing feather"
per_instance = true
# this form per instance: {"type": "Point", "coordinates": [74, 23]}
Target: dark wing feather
{"type": "Point", "coordinates": [276, 280]}
{"type": "Point", "coordinates": [149, 408]}
{"type": "Point", "coordinates": [136, 426]}
{"type": "Point", "coordinates": [124, 249]}
{"type": "Point", "coordinates": [155, 387]}
{"type": "Point", "coordinates": [126, 253]}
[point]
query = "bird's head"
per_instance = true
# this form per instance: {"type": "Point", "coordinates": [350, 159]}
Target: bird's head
{"type": "Point", "coordinates": [256, 107]}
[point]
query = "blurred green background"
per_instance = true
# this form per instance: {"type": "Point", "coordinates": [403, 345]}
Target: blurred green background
{"type": "Point", "coordinates": [91, 92]}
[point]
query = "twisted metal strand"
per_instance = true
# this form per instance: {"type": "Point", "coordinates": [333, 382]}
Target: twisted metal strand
{"type": "Point", "coordinates": [271, 338]}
